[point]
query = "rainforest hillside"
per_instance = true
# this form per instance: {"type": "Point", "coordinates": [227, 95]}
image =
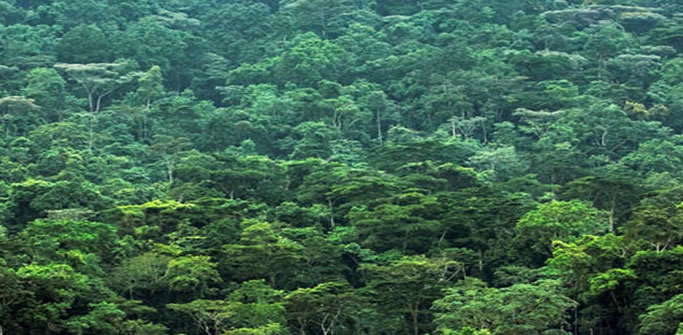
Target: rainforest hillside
{"type": "Point", "coordinates": [346, 167]}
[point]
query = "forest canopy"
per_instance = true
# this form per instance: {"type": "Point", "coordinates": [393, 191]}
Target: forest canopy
{"type": "Point", "coordinates": [320, 167]}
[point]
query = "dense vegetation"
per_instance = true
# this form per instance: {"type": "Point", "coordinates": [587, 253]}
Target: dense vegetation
{"type": "Point", "coordinates": [379, 167]}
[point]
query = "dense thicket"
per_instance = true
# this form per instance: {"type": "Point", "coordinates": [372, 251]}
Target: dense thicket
{"type": "Point", "coordinates": [388, 167]}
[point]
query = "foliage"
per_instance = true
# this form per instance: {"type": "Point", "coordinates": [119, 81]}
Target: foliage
{"type": "Point", "coordinates": [341, 167]}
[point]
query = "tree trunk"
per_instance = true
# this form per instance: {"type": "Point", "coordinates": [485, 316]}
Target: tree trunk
{"type": "Point", "coordinates": [327, 330]}
{"type": "Point", "coordinates": [486, 134]}
{"type": "Point", "coordinates": [272, 279]}
{"type": "Point", "coordinates": [414, 310]}
{"type": "Point", "coordinates": [169, 171]}
{"type": "Point", "coordinates": [616, 301]}
{"type": "Point", "coordinates": [332, 223]}
{"type": "Point", "coordinates": [91, 134]}
{"type": "Point", "coordinates": [611, 214]}
{"type": "Point", "coordinates": [379, 129]}
{"type": "Point", "coordinates": [90, 102]}
{"type": "Point", "coordinates": [481, 260]}
{"type": "Point", "coordinates": [99, 103]}
{"type": "Point", "coordinates": [323, 24]}
{"type": "Point", "coordinates": [443, 237]}
{"type": "Point", "coordinates": [145, 131]}
{"type": "Point", "coordinates": [144, 119]}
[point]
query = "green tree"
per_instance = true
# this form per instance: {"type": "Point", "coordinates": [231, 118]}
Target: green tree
{"type": "Point", "coordinates": [309, 60]}
{"type": "Point", "coordinates": [209, 316]}
{"type": "Point", "coordinates": [151, 85]}
{"type": "Point", "coordinates": [595, 261]}
{"type": "Point", "coordinates": [326, 18]}
{"type": "Point", "coordinates": [657, 226]}
{"type": "Point", "coordinates": [612, 191]}
{"type": "Point", "coordinates": [408, 286]}
{"type": "Point", "coordinates": [104, 318]}
{"type": "Point", "coordinates": [606, 41]}
{"type": "Point", "coordinates": [84, 44]}
{"type": "Point", "coordinates": [252, 309]}
{"type": "Point", "coordinates": [192, 273]}
{"type": "Point", "coordinates": [560, 221]}
{"type": "Point", "coordinates": [17, 114]}
{"type": "Point", "coordinates": [56, 289]}
{"type": "Point", "coordinates": [47, 88]}
{"type": "Point", "coordinates": [140, 273]}
{"type": "Point", "coordinates": [53, 239]}
{"type": "Point", "coordinates": [257, 307]}
{"type": "Point", "coordinates": [517, 309]}
{"type": "Point", "coordinates": [99, 80]}
{"type": "Point", "coordinates": [262, 253]}
{"type": "Point", "coordinates": [326, 306]}
{"type": "Point", "coordinates": [664, 318]}
{"type": "Point", "coordinates": [168, 149]}
{"type": "Point", "coordinates": [407, 223]}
